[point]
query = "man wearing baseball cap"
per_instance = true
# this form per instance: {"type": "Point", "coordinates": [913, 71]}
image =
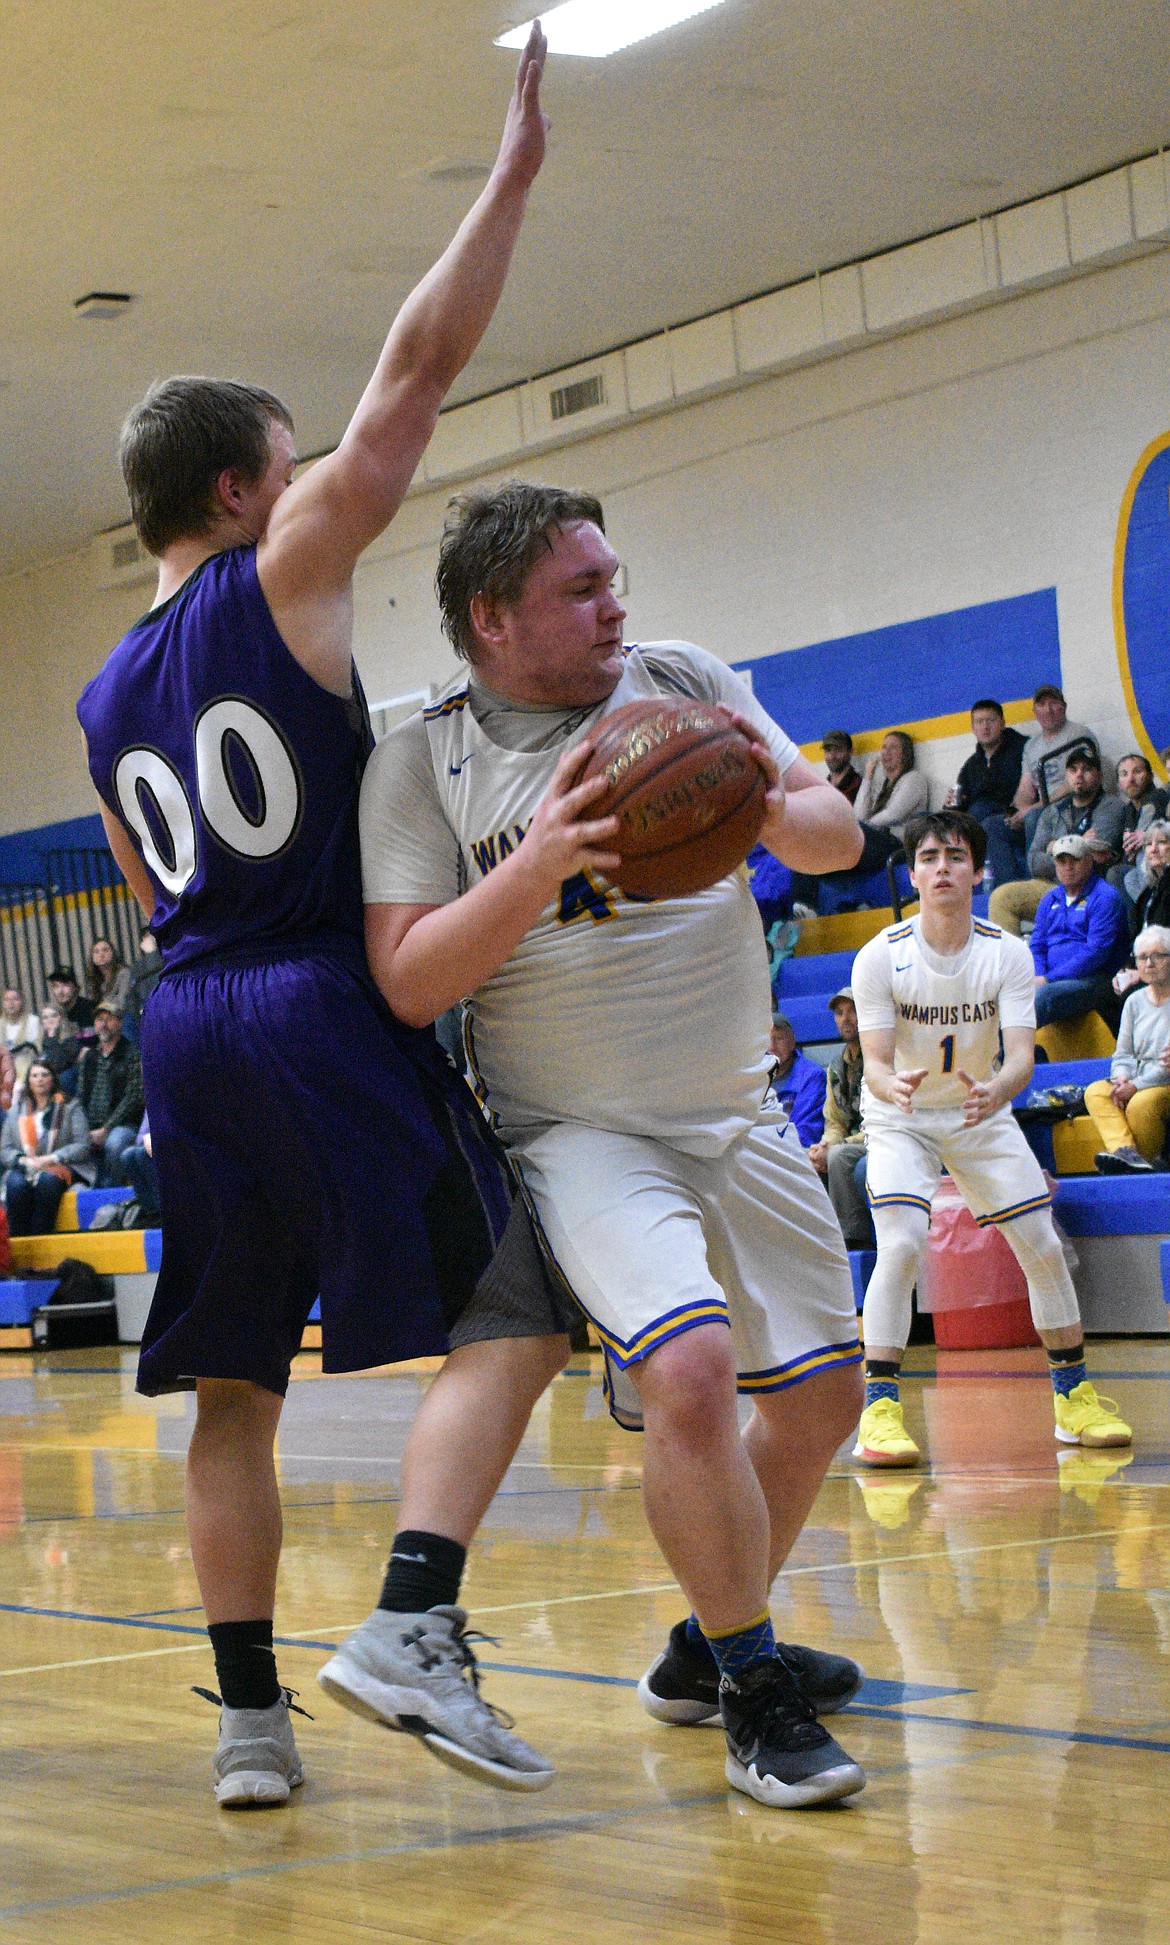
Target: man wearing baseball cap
{"type": "Point", "coordinates": [1086, 810]}
{"type": "Point", "coordinates": [840, 1157]}
{"type": "Point", "coordinates": [109, 1087]}
{"type": "Point", "coordinates": [1043, 781]}
{"type": "Point", "coordinates": [1080, 939]}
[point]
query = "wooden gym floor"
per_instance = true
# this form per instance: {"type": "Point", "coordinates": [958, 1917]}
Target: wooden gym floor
{"type": "Point", "coordinates": [1014, 1617]}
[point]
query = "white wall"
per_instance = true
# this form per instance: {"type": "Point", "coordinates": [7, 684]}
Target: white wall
{"type": "Point", "coordinates": [976, 458]}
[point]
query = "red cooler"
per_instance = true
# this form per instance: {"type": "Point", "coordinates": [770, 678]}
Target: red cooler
{"type": "Point", "coordinates": [971, 1283]}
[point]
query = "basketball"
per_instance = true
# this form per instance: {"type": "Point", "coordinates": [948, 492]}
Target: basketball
{"type": "Point", "coordinates": [687, 789]}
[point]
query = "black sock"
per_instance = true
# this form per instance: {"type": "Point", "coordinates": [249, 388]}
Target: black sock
{"type": "Point", "coordinates": [245, 1666]}
{"type": "Point", "coordinates": [425, 1570]}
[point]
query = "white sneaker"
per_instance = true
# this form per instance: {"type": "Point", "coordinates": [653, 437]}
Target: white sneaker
{"type": "Point", "coordinates": [256, 1764]}
{"type": "Point", "coordinates": [417, 1672]}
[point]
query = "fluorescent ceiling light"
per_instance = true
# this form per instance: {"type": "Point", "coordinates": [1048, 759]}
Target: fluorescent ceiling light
{"type": "Point", "coordinates": [600, 27]}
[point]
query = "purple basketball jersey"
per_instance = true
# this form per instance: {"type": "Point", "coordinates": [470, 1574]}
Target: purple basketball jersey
{"type": "Point", "coordinates": [235, 773]}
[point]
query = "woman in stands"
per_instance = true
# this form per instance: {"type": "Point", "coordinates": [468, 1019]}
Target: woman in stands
{"type": "Point", "coordinates": [44, 1147]}
{"type": "Point", "coordinates": [891, 791]}
{"type": "Point", "coordinates": [60, 1048]}
{"type": "Point", "coordinates": [1152, 906]}
{"type": "Point", "coordinates": [107, 976]}
{"type": "Point", "coordinates": [1131, 1109]}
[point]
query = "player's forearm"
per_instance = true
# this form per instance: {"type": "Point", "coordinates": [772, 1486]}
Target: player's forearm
{"type": "Point", "coordinates": [1016, 1072]}
{"type": "Point", "coordinates": [814, 830]}
{"type": "Point", "coordinates": [455, 948]}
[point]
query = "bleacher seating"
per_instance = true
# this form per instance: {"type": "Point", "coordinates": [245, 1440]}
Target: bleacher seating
{"type": "Point", "coordinates": [1064, 1147]}
{"type": "Point", "coordinates": [78, 1207]}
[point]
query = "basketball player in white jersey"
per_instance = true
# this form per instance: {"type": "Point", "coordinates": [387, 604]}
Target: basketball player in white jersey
{"type": "Point", "coordinates": [622, 1048]}
{"type": "Point", "coordinates": [946, 1007]}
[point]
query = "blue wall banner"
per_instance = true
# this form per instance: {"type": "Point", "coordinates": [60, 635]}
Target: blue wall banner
{"type": "Point", "coordinates": [1141, 599]}
{"type": "Point", "coordinates": [930, 671]}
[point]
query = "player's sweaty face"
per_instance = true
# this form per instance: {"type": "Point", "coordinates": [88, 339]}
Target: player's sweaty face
{"type": "Point", "coordinates": [561, 642]}
{"type": "Point", "coordinates": [943, 873]}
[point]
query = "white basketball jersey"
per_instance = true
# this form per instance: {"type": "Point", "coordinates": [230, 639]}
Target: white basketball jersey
{"type": "Point", "coordinates": [947, 1014]}
{"type": "Point", "coordinates": [647, 1018]}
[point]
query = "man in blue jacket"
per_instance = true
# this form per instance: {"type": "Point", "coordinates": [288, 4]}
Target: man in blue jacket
{"type": "Point", "coordinates": [797, 1082]}
{"type": "Point", "coordinates": [1080, 938]}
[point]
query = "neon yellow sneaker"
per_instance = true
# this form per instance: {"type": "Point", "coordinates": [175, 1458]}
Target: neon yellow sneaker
{"type": "Point", "coordinates": [882, 1439]}
{"type": "Point", "coordinates": [1085, 1419]}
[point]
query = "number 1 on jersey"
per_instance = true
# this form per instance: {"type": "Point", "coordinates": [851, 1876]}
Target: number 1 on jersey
{"type": "Point", "coordinates": [948, 1053]}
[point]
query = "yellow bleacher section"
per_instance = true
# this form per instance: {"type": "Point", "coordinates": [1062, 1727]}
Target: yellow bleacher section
{"type": "Point", "coordinates": [114, 1252]}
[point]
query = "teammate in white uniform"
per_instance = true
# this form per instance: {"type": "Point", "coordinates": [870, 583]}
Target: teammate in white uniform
{"type": "Point", "coordinates": [622, 1047]}
{"type": "Point", "coordinates": [946, 1008]}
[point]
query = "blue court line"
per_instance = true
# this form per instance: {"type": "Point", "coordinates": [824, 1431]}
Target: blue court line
{"type": "Point", "coordinates": [150, 1613]}
{"type": "Point", "coordinates": [888, 1712]}
{"type": "Point", "coordinates": [1040, 1377]}
{"type": "Point", "coordinates": [1013, 1729]}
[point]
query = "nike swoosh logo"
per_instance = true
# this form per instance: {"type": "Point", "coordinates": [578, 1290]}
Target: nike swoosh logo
{"type": "Point", "coordinates": [454, 768]}
{"type": "Point", "coordinates": [905, 968]}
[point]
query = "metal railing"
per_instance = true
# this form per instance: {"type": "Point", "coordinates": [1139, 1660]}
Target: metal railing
{"type": "Point", "coordinates": [83, 897]}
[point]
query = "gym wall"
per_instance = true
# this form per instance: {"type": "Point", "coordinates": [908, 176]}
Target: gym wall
{"type": "Point", "coordinates": [936, 478]}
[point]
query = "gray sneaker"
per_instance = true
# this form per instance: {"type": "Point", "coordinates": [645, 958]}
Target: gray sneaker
{"type": "Point", "coordinates": [417, 1672]}
{"type": "Point", "coordinates": [256, 1763]}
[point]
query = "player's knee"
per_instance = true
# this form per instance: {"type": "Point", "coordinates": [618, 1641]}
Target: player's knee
{"type": "Point", "coordinates": [689, 1384]}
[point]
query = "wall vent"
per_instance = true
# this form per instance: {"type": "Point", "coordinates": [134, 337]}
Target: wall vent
{"type": "Point", "coordinates": [121, 561]}
{"type": "Point", "coordinates": [565, 400]}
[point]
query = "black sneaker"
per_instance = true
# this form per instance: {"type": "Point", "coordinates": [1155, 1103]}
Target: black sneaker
{"type": "Point", "coordinates": [682, 1685]}
{"type": "Point", "coordinates": [1118, 1161]}
{"type": "Point", "coordinates": [777, 1751]}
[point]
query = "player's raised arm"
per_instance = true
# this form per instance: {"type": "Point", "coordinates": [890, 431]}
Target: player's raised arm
{"type": "Point", "coordinates": [322, 524]}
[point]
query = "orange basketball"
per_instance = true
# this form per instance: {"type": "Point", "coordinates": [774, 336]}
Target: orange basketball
{"type": "Point", "coordinates": [687, 790]}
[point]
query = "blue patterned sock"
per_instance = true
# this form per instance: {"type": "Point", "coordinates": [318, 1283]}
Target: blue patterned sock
{"type": "Point", "coordinates": [881, 1380]}
{"type": "Point", "coordinates": [1067, 1369]}
{"type": "Point", "coordinates": [738, 1648]}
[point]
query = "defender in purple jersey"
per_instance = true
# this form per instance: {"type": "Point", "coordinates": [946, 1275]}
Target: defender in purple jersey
{"type": "Point", "coordinates": [307, 1142]}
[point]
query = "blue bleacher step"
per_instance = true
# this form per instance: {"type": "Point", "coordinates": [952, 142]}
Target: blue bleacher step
{"type": "Point", "coordinates": [20, 1296]}
{"type": "Point", "coordinates": [819, 972]}
{"type": "Point", "coordinates": [861, 1268]}
{"type": "Point", "coordinates": [89, 1201]}
{"type": "Point", "coordinates": [1113, 1205]}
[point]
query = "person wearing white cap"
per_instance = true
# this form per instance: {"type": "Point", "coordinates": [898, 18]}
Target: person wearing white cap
{"type": "Point", "coordinates": [1080, 938]}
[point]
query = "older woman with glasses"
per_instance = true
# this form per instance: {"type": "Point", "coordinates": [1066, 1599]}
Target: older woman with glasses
{"type": "Point", "coordinates": [1131, 1109]}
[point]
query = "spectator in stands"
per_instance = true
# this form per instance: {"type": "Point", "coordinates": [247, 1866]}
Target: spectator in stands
{"type": "Point", "coordinates": [837, 748]}
{"type": "Point", "coordinates": [840, 1157]}
{"type": "Point", "coordinates": [1153, 903]}
{"type": "Point", "coordinates": [145, 973]}
{"type": "Point", "coordinates": [1131, 1110]}
{"type": "Point", "coordinates": [1043, 781]}
{"type": "Point", "coordinates": [797, 1082]}
{"type": "Point", "coordinates": [61, 1048]}
{"type": "Point", "coordinates": [9, 1087]}
{"type": "Point", "coordinates": [20, 1031]}
{"type": "Point", "coordinates": [107, 976]}
{"type": "Point", "coordinates": [1087, 811]}
{"type": "Point", "coordinates": [137, 1171]}
{"type": "Point", "coordinates": [44, 1146]}
{"type": "Point", "coordinates": [1080, 939]}
{"type": "Point", "coordinates": [109, 1087]}
{"type": "Point", "coordinates": [891, 791]}
{"type": "Point", "coordinates": [1144, 801]}
{"type": "Point", "coordinates": [989, 779]}
{"type": "Point", "coordinates": [70, 1002]}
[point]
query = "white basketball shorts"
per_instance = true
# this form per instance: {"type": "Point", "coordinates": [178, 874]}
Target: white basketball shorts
{"type": "Point", "coordinates": [991, 1164]}
{"type": "Point", "coordinates": [653, 1242]}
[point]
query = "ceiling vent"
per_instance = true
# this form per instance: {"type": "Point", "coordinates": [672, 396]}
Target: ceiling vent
{"type": "Point", "coordinates": [565, 400]}
{"type": "Point", "coordinates": [120, 560]}
{"type": "Point", "coordinates": [102, 303]}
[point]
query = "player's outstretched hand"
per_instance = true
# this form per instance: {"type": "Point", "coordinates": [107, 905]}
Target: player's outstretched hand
{"type": "Point", "coordinates": [526, 126]}
{"type": "Point", "coordinates": [982, 1098]}
{"type": "Point", "coordinates": [562, 839]}
{"type": "Point", "coordinates": [905, 1086]}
